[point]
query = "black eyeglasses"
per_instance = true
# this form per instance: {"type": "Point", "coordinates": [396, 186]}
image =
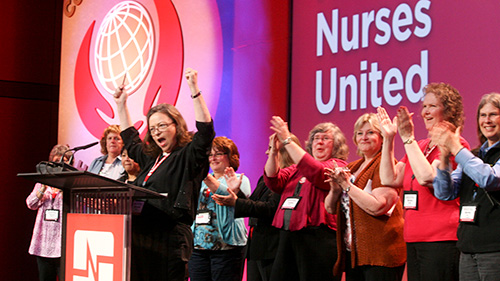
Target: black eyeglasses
{"type": "Point", "coordinates": [161, 127]}
{"type": "Point", "coordinates": [216, 155]}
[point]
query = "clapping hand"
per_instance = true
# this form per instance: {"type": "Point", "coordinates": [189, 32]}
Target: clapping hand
{"type": "Point", "coordinates": [447, 137]}
{"type": "Point", "coordinates": [226, 200]}
{"type": "Point", "coordinates": [280, 127]}
{"type": "Point", "coordinates": [405, 123]}
{"type": "Point", "coordinates": [232, 180]}
{"type": "Point", "coordinates": [337, 176]}
{"type": "Point", "coordinates": [388, 128]}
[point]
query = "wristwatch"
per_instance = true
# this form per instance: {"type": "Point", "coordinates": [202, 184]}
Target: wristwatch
{"type": "Point", "coordinates": [287, 141]}
{"type": "Point", "coordinates": [408, 141]}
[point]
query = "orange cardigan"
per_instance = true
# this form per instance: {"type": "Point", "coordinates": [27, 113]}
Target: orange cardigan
{"type": "Point", "coordinates": [376, 241]}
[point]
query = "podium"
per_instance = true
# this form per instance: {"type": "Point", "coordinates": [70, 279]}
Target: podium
{"type": "Point", "coordinates": [96, 223]}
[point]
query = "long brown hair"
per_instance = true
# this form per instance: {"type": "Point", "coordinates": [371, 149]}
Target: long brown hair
{"type": "Point", "coordinates": [183, 137]}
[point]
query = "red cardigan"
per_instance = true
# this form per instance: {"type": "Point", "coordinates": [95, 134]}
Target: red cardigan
{"type": "Point", "coordinates": [311, 209]}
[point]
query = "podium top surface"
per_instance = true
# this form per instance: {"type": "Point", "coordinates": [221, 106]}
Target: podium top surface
{"type": "Point", "coordinates": [86, 181]}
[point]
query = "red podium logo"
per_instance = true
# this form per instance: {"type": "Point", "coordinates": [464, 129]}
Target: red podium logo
{"type": "Point", "coordinates": [95, 247]}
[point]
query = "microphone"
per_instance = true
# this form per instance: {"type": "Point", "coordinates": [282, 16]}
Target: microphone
{"type": "Point", "coordinates": [75, 149]}
{"type": "Point", "coordinates": [49, 167]}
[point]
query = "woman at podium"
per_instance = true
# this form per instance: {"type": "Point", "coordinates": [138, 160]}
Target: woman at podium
{"type": "Point", "coordinates": [46, 239]}
{"type": "Point", "coordinates": [174, 163]}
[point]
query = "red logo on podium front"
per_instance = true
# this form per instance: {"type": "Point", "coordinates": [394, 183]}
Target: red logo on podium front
{"type": "Point", "coordinates": [95, 247]}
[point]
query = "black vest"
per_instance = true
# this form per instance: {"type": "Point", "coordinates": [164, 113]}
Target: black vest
{"type": "Point", "coordinates": [483, 235]}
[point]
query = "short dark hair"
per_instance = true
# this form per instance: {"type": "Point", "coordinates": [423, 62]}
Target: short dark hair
{"type": "Point", "coordinates": [229, 148]}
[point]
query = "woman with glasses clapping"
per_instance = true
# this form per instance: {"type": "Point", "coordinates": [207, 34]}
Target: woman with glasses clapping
{"type": "Point", "coordinates": [219, 237]}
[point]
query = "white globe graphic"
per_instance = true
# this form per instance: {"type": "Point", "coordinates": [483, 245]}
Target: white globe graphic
{"type": "Point", "coordinates": [124, 47]}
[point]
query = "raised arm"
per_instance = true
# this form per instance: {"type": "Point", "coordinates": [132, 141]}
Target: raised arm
{"type": "Point", "coordinates": [121, 104]}
{"type": "Point", "coordinates": [280, 127]}
{"type": "Point", "coordinates": [201, 112]}
{"type": "Point", "coordinates": [272, 165]}
{"type": "Point", "coordinates": [391, 174]}
{"type": "Point", "coordinates": [422, 169]}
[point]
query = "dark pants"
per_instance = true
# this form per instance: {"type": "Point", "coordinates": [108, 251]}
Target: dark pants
{"type": "Point", "coordinates": [220, 265]}
{"type": "Point", "coordinates": [306, 254]}
{"type": "Point", "coordinates": [48, 268]}
{"type": "Point", "coordinates": [480, 266]}
{"type": "Point", "coordinates": [259, 270]}
{"type": "Point", "coordinates": [432, 261]}
{"type": "Point", "coordinates": [160, 248]}
{"type": "Point", "coordinates": [373, 273]}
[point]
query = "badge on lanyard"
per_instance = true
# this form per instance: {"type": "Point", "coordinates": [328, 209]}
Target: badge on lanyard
{"type": "Point", "coordinates": [410, 200]}
{"type": "Point", "coordinates": [291, 203]}
{"type": "Point", "coordinates": [468, 212]}
{"type": "Point", "coordinates": [204, 217]}
{"type": "Point", "coordinates": [51, 215]}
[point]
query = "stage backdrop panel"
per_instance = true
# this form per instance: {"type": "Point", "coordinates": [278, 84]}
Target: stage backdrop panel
{"type": "Point", "coordinates": [240, 49]}
{"type": "Point", "coordinates": [348, 58]}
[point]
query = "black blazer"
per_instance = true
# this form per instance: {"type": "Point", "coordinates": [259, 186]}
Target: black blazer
{"type": "Point", "coordinates": [260, 207]}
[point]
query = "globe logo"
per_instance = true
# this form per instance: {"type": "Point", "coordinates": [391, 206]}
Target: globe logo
{"type": "Point", "coordinates": [124, 47]}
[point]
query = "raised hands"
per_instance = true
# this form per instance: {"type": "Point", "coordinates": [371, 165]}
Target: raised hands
{"type": "Point", "coordinates": [226, 200]}
{"type": "Point", "coordinates": [120, 95]}
{"type": "Point", "coordinates": [405, 123]}
{"type": "Point", "coordinates": [338, 177]}
{"type": "Point", "coordinates": [192, 79]}
{"type": "Point", "coordinates": [447, 137]}
{"type": "Point", "coordinates": [232, 180]}
{"type": "Point", "coordinates": [233, 187]}
{"type": "Point", "coordinates": [280, 127]}
{"type": "Point", "coordinates": [388, 128]}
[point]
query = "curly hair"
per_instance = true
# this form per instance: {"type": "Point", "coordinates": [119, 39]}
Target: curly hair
{"type": "Point", "coordinates": [451, 99]}
{"type": "Point", "coordinates": [110, 129]}
{"type": "Point", "coordinates": [182, 136]}
{"type": "Point", "coordinates": [59, 150]}
{"type": "Point", "coordinates": [228, 147]}
{"type": "Point", "coordinates": [340, 149]}
{"type": "Point", "coordinates": [493, 99]}
{"type": "Point", "coordinates": [370, 118]}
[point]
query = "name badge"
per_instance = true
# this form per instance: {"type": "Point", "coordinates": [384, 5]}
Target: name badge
{"type": "Point", "coordinates": [137, 206]}
{"type": "Point", "coordinates": [203, 217]}
{"type": "Point", "coordinates": [410, 200]}
{"type": "Point", "coordinates": [468, 212]}
{"type": "Point", "coordinates": [51, 215]}
{"type": "Point", "coordinates": [291, 203]}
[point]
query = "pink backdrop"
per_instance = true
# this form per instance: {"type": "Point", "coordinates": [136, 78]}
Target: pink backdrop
{"type": "Point", "coordinates": [442, 41]}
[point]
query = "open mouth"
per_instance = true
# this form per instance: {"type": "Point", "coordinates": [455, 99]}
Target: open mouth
{"type": "Point", "coordinates": [161, 142]}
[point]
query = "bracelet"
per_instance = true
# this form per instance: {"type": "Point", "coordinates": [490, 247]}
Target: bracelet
{"type": "Point", "coordinates": [287, 141]}
{"type": "Point", "coordinates": [408, 141]}
{"type": "Point", "coordinates": [196, 95]}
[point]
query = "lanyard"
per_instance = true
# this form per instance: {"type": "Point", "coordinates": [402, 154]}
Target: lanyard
{"type": "Point", "coordinates": [428, 150]}
{"type": "Point", "coordinates": [54, 194]}
{"type": "Point", "coordinates": [155, 166]}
